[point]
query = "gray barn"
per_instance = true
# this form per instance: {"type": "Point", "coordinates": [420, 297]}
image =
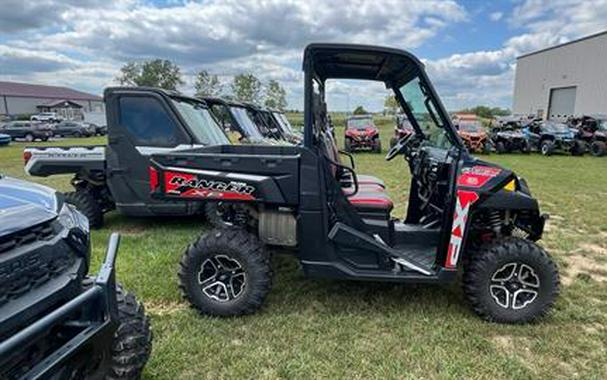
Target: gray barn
{"type": "Point", "coordinates": [563, 80]}
{"type": "Point", "coordinates": [22, 98]}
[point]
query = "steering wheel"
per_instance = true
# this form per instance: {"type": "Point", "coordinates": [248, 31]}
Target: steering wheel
{"type": "Point", "coordinates": [401, 146]}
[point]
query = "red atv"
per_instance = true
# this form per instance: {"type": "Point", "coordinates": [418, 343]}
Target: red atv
{"type": "Point", "coordinates": [361, 133]}
{"type": "Point", "coordinates": [593, 131]}
{"type": "Point", "coordinates": [402, 129]}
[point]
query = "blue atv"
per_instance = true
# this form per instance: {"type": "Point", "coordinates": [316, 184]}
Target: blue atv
{"type": "Point", "coordinates": [549, 137]}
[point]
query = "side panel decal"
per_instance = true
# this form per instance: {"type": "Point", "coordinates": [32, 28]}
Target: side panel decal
{"type": "Point", "coordinates": [188, 185]}
{"type": "Point", "coordinates": [464, 200]}
{"type": "Point", "coordinates": [477, 176]}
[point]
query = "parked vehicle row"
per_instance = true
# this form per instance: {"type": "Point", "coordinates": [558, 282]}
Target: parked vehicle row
{"type": "Point", "coordinates": [37, 130]}
{"type": "Point", "coordinates": [169, 155]}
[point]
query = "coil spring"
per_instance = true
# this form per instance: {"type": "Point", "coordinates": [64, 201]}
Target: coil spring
{"type": "Point", "coordinates": [494, 220]}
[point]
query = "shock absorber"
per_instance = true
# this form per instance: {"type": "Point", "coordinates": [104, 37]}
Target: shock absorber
{"type": "Point", "coordinates": [494, 220]}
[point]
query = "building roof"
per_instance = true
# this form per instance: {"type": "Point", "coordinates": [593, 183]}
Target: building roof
{"type": "Point", "coordinates": [59, 103]}
{"type": "Point", "coordinates": [40, 91]}
{"type": "Point", "coordinates": [563, 44]}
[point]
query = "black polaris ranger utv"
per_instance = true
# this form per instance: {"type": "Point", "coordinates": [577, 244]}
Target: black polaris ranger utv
{"type": "Point", "coordinates": [141, 121]}
{"type": "Point", "coordinates": [55, 321]}
{"type": "Point", "coordinates": [463, 213]}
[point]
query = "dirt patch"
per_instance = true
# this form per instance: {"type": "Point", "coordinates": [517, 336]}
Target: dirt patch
{"type": "Point", "coordinates": [164, 308]}
{"type": "Point", "coordinates": [584, 266]}
{"type": "Point", "coordinates": [594, 248]}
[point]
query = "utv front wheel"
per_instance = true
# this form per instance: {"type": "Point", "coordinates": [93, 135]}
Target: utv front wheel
{"type": "Point", "coordinates": [225, 273]}
{"type": "Point", "coordinates": [132, 342]}
{"type": "Point", "coordinates": [500, 147]}
{"type": "Point", "coordinates": [511, 281]}
{"type": "Point", "coordinates": [547, 147]}
{"type": "Point", "coordinates": [86, 203]}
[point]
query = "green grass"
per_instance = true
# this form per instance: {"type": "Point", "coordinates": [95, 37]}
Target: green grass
{"type": "Point", "coordinates": [332, 329]}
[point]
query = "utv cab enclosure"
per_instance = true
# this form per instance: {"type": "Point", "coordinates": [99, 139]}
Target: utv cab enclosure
{"type": "Point", "coordinates": [141, 121]}
{"type": "Point", "coordinates": [462, 213]}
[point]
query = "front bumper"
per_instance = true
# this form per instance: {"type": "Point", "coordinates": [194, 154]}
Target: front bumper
{"type": "Point", "coordinates": [81, 327]}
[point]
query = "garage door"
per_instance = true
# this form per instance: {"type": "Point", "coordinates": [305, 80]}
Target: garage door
{"type": "Point", "coordinates": [562, 103]}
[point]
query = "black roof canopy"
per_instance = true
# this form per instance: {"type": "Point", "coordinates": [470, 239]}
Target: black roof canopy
{"type": "Point", "coordinates": [346, 61]}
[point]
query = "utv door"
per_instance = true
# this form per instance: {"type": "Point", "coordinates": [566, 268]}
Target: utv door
{"type": "Point", "coordinates": [140, 124]}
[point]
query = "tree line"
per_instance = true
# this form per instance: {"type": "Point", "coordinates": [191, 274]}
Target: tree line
{"type": "Point", "coordinates": [165, 74]}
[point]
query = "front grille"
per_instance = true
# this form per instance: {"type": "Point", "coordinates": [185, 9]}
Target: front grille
{"type": "Point", "coordinates": [41, 232]}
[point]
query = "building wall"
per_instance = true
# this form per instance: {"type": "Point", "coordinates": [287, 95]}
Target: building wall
{"type": "Point", "coordinates": [582, 64]}
{"type": "Point", "coordinates": [21, 105]}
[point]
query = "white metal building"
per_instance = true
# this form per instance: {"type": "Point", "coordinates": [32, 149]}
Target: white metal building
{"type": "Point", "coordinates": [563, 80]}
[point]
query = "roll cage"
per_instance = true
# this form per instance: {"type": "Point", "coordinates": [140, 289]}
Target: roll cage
{"type": "Point", "coordinates": [393, 67]}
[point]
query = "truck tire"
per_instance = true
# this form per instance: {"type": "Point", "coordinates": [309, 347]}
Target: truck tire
{"type": "Point", "coordinates": [29, 137]}
{"type": "Point", "coordinates": [511, 280]}
{"type": "Point", "coordinates": [225, 273]}
{"type": "Point", "coordinates": [132, 342]}
{"type": "Point", "coordinates": [86, 203]}
{"type": "Point", "coordinates": [598, 148]}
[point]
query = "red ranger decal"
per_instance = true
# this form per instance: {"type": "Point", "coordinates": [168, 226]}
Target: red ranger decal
{"type": "Point", "coordinates": [188, 185]}
{"type": "Point", "coordinates": [462, 207]}
{"type": "Point", "coordinates": [477, 176]}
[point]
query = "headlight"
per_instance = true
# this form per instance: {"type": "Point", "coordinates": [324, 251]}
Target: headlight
{"type": "Point", "coordinates": [70, 218]}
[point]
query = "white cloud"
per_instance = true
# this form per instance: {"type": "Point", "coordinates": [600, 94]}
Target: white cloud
{"type": "Point", "coordinates": [496, 16]}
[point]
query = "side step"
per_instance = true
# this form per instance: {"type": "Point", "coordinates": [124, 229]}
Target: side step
{"type": "Point", "coordinates": [347, 236]}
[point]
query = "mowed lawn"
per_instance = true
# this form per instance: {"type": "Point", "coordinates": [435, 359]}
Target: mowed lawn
{"type": "Point", "coordinates": [334, 329]}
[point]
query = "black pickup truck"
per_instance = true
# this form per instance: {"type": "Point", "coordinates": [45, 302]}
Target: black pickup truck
{"type": "Point", "coordinates": [56, 322]}
{"type": "Point", "coordinates": [141, 122]}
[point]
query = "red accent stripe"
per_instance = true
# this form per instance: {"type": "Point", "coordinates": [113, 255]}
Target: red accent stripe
{"type": "Point", "coordinates": [153, 178]}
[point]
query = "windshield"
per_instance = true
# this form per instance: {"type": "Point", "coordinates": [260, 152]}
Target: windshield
{"type": "Point", "coordinates": [556, 127]}
{"type": "Point", "coordinates": [360, 123]}
{"type": "Point", "coordinates": [424, 111]}
{"type": "Point", "coordinates": [470, 126]}
{"type": "Point", "coordinates": [284, 123]}
{"type": "Point", "coordinates": [245, 122]}
{"type": "Point", "coordinates": [200, 122]}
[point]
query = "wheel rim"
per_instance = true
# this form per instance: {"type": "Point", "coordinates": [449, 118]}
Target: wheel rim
{"type": "Point", "coordinates": [221, 278]}
{"type": "Point", "coordinates": [29, 138]}
{"type": "Point", "coordinates": [514, 286]}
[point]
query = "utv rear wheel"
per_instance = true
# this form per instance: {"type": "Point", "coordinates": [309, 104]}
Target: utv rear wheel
{"type": "Point", "coordinates": [598, 148]}
{"type": "Point", "coordinates": [525, 147]}
{"type": "Point", "coordinates": [547, 147]}
{"type": "Point", "coordinates": [500, 147]}
{"type": "Point", "coordinates": [512, 280]}
{"type": "Point", "coordinates": [578, 149]}
{"type": "Point", "coordinates": [225, 273]}
{"type": "Point", "coordinates": [348, 145]}
{"type": "Point", "coordinates": [132, 341]}
{"type": "Point", "coordinates": [86, 203]}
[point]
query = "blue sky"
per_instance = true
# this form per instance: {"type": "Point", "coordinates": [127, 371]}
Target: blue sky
{"type": "Point", "coordinates": [469, 47]}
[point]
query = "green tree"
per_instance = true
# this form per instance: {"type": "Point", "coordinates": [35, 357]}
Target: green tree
{"type": "Point", "coordinates": [276, 96]}
{"type": "Point", "coordinates": [246, 88]}
{"type": "Point", "coordinates": [207, 84]}
{"type": "Point", "coordinates": [160, 73]}
{"type": "Point", "coordinates": [360, 110]}
{"type": "Point", "coordinates": [391, 105]}
{"type": "Point", "coordinates": [487, 112]}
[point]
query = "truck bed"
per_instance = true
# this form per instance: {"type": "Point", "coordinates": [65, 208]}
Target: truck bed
{"type": "Point", "coordinates": [49, 160]}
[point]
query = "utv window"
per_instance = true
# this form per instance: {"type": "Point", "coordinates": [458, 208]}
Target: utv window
{"type": "Point", "coordinates": [425, 113]}
{"type": "Point", "coordinates": [200, 122]}
{"type": "Point", "coordinates": [245, 122]}
{"type": "Point", "coordinates": [148, 122]}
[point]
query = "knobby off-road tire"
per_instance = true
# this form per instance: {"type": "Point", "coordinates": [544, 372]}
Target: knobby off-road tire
{"type": "Point", "coordinates": [486, 277]}
{"type": "Point", "coordinates": [225, 273]}
{"type": "Point", "coordinates": [547, 147]}
{"type": "Point", "coordinates": [598, 148]}
{"type": "Point", "coordinates": [578, 149]}
{"type": "Point", "coordinates": [86, 203]}
{"type": "Point", "coordinates": [500, 147]}
{"type": "Point", "coordinates": [132, 343]}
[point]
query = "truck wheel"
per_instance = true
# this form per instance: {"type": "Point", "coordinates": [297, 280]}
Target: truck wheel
{"type": "Point", "coordinates": [598, 148]}
{"type": "Point", "coordinates": [132, 342]}
{"type": "Point", "coordinates": [511, 280]}
{"type": "Point", "coordinates": [500, 147]}
{"type": "Point", "coordinates": [225, 273]}
{"type": "Point", "coordinates": [547, 147]}
{"type": "Point", "coordinates": [86, 203]}
{"type": "Point", "coordinates": [29, 137]}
